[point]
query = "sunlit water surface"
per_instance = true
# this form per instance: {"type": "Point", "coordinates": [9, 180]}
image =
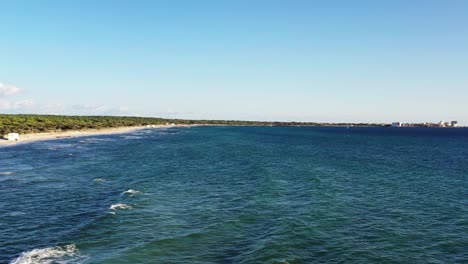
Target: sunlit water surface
{"type": "Point", "coordinates": [238, 195]}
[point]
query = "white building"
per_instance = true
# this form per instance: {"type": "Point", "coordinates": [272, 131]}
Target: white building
{"type": "Point", "coordinates": [396, 124]}
{"type": "Point", "coordinates": [442, 124]}
{"type": "Point", "coordinates": [12, 136]}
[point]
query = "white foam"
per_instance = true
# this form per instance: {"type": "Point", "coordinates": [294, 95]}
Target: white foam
{"type": "Point", "coordinates": [131, 137]}
{"type": "Point", "coordinates": [99, 180]}
{"type": "Point", "coordinates": [55, 146]}
{"type": "Point", "coordinates": [131, 192]}
{"type": "Point", "coordinates": [65, 254]}
{"type": "Point", "coordinates": [6, 172]}
{"type": "Point", "coordinates": [96, 139]}
{"type": "Point", "coordinates": [120, 206]}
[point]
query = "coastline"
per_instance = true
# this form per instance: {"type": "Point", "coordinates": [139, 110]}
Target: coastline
{"type": "Point", "coordinates": [33, 137]}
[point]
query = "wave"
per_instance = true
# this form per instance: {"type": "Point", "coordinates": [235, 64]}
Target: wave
{"type": "Point", "coordinates": [120, 206]}
{"type": "Point", "coordinates": [15, 213]}
{"type": "Point", "coordinates": [65, 254]}
{"type": "Point", "coordinates": [93, 139]}
{"type": "Point", "coordinates": [6, 172]}
{"type": "Point", "coordinates": [56, 146]}
{"type": "Point", "coordinates": [131, 137]}
{"type": "Point", "coordinates": [290, 261]}
{"type": "Point", "coordinates": [131, 192]}
{"type": "Point", "coordinates": [99, 180]}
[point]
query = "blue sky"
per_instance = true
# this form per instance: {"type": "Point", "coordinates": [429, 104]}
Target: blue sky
{"type": "Point", "coordinates": [351, 61]}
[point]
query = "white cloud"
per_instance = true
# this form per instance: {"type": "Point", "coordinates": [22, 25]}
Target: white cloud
{"type": "Point", "coordinates": [7, 90]}
{"type": "Point", "coordinates": [29, 106]}
{"type": "Point", "coordinates": [86, 109]}
{"type": "Point", "coordinates": [5, 105]}
{"type": "Point", "coordinates": [50, 109]}
{"type": "Point", "coordinates": [24, 104]}
{"type": "Point", "coordinates": [16, 105]}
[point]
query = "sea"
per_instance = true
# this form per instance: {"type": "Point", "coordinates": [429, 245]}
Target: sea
{"type": "Point", "coordinates": [233, 194]}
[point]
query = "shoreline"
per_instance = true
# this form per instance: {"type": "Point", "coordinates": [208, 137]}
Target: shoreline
{"type": "Point", "coordinates": [55, 135]}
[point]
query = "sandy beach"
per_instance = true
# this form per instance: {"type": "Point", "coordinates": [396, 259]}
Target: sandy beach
{"type": "Point", "coordinates": [25, 138]}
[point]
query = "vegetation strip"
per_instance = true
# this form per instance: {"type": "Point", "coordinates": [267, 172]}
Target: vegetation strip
{"type": "Point", "coordinates": [51, 123]}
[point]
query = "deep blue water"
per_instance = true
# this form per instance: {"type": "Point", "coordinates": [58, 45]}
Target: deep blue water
{"type": "Point", "coordinates": [238, 195]}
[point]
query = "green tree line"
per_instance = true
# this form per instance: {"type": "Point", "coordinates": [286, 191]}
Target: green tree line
{"type": "Point", "coordinates": [48, 123]}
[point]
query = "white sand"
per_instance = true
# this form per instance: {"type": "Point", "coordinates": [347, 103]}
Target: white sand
{"type": "Point", "coordinates": [75, 133]}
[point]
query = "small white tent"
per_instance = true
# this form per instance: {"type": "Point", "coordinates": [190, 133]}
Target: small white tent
{"type": "Point", "coordinates": [12, 136]}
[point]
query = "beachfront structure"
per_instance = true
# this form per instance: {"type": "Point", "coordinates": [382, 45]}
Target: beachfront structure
{"type": "Point", "coordinates": [441, 124]}
{"type": "Point", "coordinates": [396, 124]}
{"type": "Point", "coordinates": [12, 137]}
{"type": "Point", "coordinates": [454, 123]}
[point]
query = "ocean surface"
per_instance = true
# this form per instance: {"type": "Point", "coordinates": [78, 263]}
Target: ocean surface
{"type": "Point", "coordinates": [238, 195]}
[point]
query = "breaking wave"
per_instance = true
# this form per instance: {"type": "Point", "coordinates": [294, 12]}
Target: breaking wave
{"type": "Point", "coordinates": [131, 137]}
{"type": "Point", "coordinates": [96, 140]}
{"type": "Point", "coordinates": [120, 206]}
{"type": "Point", "coordinates": [55, 146]}
{"type": "Point", "coordinates": [6, 172]}
{"type": "Point", "coordinates": [131, 192]}
{"type": "Point", "coordinates": [65, 254]}
{"type": "Point", "coordinates": [99, 180]}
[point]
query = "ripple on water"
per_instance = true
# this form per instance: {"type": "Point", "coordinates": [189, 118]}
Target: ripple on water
{"type": "Point", "coordinates": [238, 195]}
{"type": "Point", "coordinates": [15, 213]}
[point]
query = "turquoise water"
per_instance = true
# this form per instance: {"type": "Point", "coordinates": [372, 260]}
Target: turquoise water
{"type": "Point", "coordinates": [238, 195]}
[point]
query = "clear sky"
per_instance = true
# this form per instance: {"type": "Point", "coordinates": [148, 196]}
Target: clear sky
{"type": "Point", "coordinates": [353, 61]}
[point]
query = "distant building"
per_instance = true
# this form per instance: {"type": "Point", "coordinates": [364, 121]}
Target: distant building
{"type": "Point", "coordinates": [454, 123]}
{"type": "Point", "coordinates": [441, 124]}
{"type": "Point", "coordinates": [12, 137]}
{"type": "Point", "coordinates": [396, 124]}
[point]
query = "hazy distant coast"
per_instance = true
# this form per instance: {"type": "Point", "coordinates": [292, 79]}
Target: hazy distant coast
{"type": "Point", "coordinates": [45, 127]}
